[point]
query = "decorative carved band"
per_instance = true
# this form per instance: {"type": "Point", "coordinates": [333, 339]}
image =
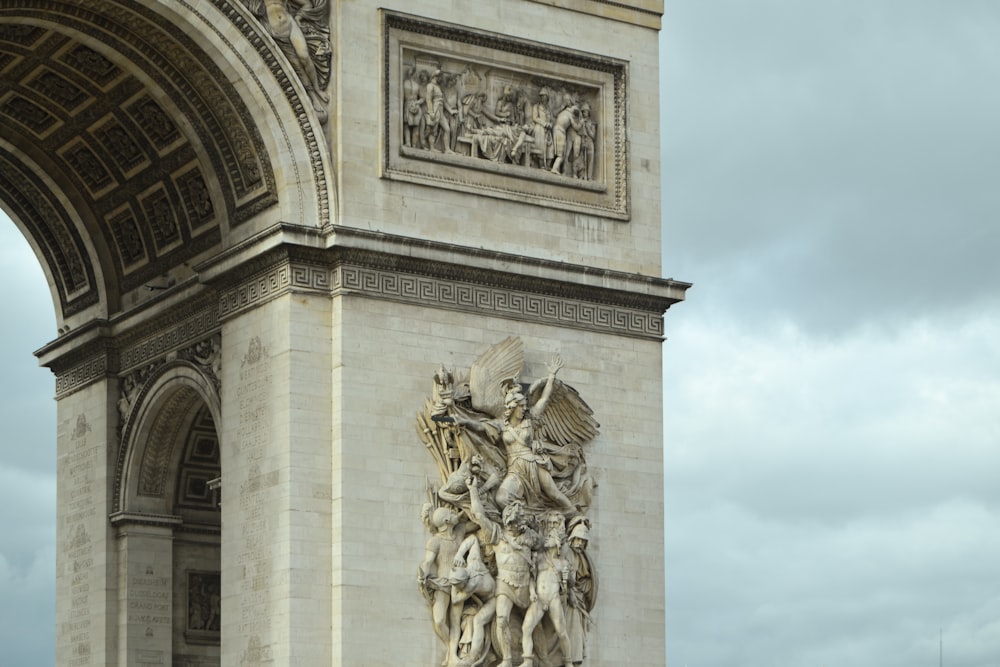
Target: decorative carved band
{"type": "Point", "coordinates": [257, 290]}
{"type": "Point", "coordinates": [255, 35]}
{"type": "Point", "coordinates": [80, 375]}
{"type": "Point", "coordinates": [646, 13]}
{"type": "Point", "coordinates": [176, 331]}
{"type": "Point", "coordinates": [435, 284]}
{"type": "Point", "coordinates": [499, 302]}
{"type": "Point", "coordinates": [168, 334]}
{"type": "Point", "coordinates": [154, 469]}
{"type": "Point", "coordinates": [49, 224]}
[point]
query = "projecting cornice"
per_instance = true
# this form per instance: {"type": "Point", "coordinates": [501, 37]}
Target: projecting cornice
{"type": "Point", "coordinates": [646, 13]}
{"type": "Point", "coordinates": [351, 262]}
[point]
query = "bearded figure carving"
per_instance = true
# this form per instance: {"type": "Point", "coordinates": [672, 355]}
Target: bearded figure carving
{"type": "Point", "coordinates": [505, 572]}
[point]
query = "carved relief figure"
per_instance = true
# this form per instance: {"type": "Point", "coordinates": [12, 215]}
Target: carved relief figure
{"type": "Point", "coordinates": [513, 544]}
{"type": "Point", "coordinates": [566, 129]}
{"type": "Point", "coordinates": [452, 108]}
{"type": "Point", "coordinates": [584, 166]}
{"type": "Point", "coordinates": [548, 593]}
{"type": "Point", "coordinates": [499, 574]}
{"type": "Point", "coordinates": [433, 575]}
{"type": "Point", "coordinates": [541, 116]}
{"type": "Point", "coordinates": [582, 591]}
{"type": "Point", "coordinates": [529, 472]}
{"type": "Point", "coordinates": [504, 109]}
{"type": "Point", "coordinates": [499, 115]}
{"type": "Point", "coordinates": [412, 107]}
{"type": "Point", "coordinates": [471, 580]}
{"type": "Point", "coordinates": [204, 601]}
{"type": "Point", "coordinates": [436, 125]}
{"type": "Point", "coordinates": [301, 29]}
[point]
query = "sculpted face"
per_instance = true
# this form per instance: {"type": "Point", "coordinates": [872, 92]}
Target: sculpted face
{"type": "Point", "coordinates": [445, 517]}
{"type": "Point", "coordinates": [515, 404]}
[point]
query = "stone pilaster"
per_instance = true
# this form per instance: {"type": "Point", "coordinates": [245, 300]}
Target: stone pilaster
{"type": "Point", "coordinates": [84, 547]}
{"type": "Point", "coordinates": [145, 596]}
{"type": "Point", "coordinates": [276, 462]}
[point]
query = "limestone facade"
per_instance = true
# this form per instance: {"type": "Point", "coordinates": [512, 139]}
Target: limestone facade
{"type": "Point", "coordinates": [257, 271]}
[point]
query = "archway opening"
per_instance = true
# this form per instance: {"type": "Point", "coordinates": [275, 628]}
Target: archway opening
{"type": "Point", "coordinates": [197, 563]}
{"type": "Point", "coordinates": [168, 526]}
{"type": "Point", "coordinates": [27, 459]}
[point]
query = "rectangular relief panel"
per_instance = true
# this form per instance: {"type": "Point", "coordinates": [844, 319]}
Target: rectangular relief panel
{"type": "Point", "coordinates": [504, 117]}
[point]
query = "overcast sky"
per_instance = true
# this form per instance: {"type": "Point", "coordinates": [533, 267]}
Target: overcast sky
{"type": "Point", "coordinates": [27, 459]}
{"type": "Point", "coordinates": [832, 188]}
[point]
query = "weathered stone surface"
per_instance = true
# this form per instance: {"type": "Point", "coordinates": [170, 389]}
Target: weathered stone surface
{"type": "Point", "coordinates": [258, 264]}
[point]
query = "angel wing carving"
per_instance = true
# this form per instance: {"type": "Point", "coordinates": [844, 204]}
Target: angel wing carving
{"type": "Point", "coordinates": [490, 373]}
{"type": "Point", "coordinates": [505, 472]}
{"type": "Point", "coordinates": [567, 418]}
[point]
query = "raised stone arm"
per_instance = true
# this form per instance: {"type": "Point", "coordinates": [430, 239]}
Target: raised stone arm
{"type": "Point", "coordinates": [472, 425]}
{"type": "Point", "coordinates": [477, 511]}
{"type": "Point", "coordinates": [463, 550]}
{"type": "Point", "coordinates": [539, 407]}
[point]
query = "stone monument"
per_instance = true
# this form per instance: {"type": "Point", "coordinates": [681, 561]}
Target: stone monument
{"type": "Point", "coordinates": [281, 233]}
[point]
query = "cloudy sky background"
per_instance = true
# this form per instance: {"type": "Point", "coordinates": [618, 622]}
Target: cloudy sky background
{"type": "Point", "coordinates": [27, 459]}
{"type": "Point", "coordinates": [832, 188]}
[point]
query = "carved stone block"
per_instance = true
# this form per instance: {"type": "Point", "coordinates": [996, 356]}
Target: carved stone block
{"type": "Point", "coordinates": [508, 518]}
{"type": "Point", "coordinates": [58, 89]}
{"type": "Point", "coordinates": [504, 117]}
{"type": "Point", "coordinates": [92, 65]}
{"type": "Point", "coordinates": [28, 114]}
{"type": "Point", "coordinates": [203, 605]}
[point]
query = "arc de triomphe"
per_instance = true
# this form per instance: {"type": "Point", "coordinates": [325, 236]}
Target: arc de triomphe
{"type": "Point", "coordinates": [280, 235]}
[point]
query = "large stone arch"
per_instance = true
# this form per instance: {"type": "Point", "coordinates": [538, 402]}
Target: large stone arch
{"type": "Point", "coordinates": [144, 138]}
{"type": "Point", "coordinates": [140, 142]}
{"type": "Point", "coordinates": [171, 162]}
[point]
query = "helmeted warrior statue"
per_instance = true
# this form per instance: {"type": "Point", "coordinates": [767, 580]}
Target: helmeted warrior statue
{"type": "Point", "coordinates": [512, 504]}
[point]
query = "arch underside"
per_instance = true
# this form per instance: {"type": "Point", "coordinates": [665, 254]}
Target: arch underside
{"type": "Point", "coordinates": [125, 149]}
{"type": "Point", "coordinates": [178, 459]}
{"type": "Point", "coordinates": [169, 445]}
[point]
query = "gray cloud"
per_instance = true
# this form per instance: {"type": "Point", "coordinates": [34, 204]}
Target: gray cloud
{"type": "Point", "coordinates": [830, 176]}
{"type": "Point", "coordinates": [832, 382]}
{"type": "Point", "coordinates": [851, 145]}
{"type": "Point", "coordinates": [27, 460]}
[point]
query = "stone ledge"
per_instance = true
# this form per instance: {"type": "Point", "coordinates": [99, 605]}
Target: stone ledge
{"type": "Point", "coordinates": [645, 13]}
{"type": "Point", "coordinates": [436, 275]}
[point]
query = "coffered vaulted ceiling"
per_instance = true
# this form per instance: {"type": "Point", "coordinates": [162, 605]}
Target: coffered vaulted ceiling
{"type": "Point", "coordinates": [124, 151]}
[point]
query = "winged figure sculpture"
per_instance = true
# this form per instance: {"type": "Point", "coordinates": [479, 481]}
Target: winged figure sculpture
{"type": "Point", "coordinates": [514, 484]}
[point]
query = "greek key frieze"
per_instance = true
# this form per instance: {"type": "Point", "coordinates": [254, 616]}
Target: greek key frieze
{"type": "Point", "coordinates": [254, 291]}
{"type": "Point", "coordinates": [80, 375]}
{"type": "Point", "coordinates": [500, 302]}
{"type": "Point", "coordinates": [623, 310]}
{"type": "Point", "coordinates": [160, 338]}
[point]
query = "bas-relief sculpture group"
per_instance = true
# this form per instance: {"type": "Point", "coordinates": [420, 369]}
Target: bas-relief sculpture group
{"type": "Point", "coordinates": [506, 572]}
{"type": "Point", "coordinates": [301, 28]}
{"type": "Point", "coordinates": [499, 115]}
